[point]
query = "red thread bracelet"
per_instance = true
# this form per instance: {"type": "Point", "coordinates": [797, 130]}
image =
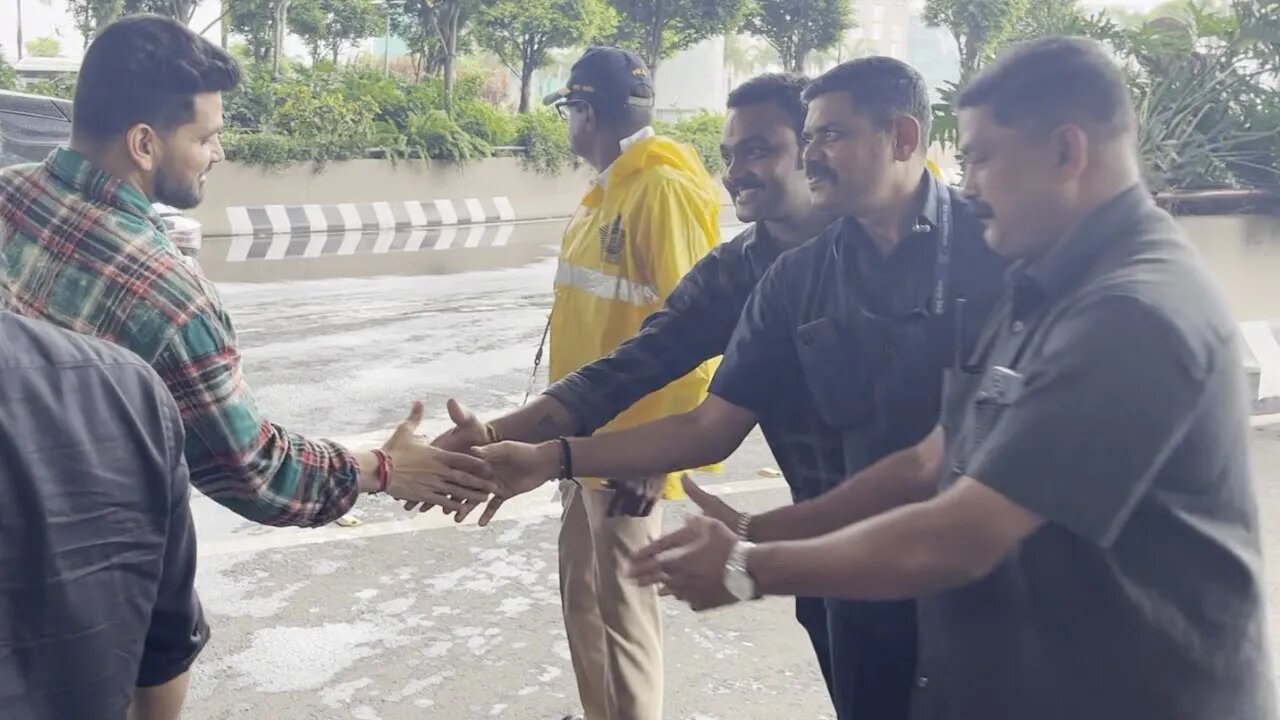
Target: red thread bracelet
{"type": "Point", "coordinates": [384, 470]}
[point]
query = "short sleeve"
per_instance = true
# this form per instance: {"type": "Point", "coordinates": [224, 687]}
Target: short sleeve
{"type": "Point", "coordinates": [178, 631]}
{"type": "Point", "coordinates": [758, 349]}
{"type": "Point", "coordinates": [1104, 403]}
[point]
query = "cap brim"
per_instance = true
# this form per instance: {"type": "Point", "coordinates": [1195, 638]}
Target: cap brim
{"type": "Point", "coordinates": [556, 97]}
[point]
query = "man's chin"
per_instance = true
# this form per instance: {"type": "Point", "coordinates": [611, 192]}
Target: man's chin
{"type": "Point", "coordinates": [746, 213]}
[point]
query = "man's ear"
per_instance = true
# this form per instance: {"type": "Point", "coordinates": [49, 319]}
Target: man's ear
{"type": "Point", "coordinates": [1070, 145]}
{"type": "Point", "coordinates": [143, 144]}
{"type": "Point", "coordinates": [907, 137]}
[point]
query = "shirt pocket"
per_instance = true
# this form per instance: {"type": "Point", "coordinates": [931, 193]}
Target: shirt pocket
{"type": "Point", "coordinates": [837, 375]}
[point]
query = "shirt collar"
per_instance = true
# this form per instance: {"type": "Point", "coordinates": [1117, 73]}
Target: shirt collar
{"type": "Point", "coordinates": [643, 133]}
{"type": "Point", "coordinates": [925, 217]}
{"type": "Point", "coordinates": [99, 186]}
{"type": "Point", "coordinates": [1052, 275]}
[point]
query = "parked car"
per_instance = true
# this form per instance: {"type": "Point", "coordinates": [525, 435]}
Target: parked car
{"type": "Point", "coordinates": [32, 126]}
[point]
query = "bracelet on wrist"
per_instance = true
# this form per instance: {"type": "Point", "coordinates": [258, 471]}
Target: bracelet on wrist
{"type": "Point", "coordinates": [743, 527]}
{"type": "Point", "coordinates": [566, 459]}
{"type": "Point", "coordinates": [383, 471]}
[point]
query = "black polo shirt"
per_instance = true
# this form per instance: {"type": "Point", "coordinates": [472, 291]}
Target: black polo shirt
{"type": "Point", "coordinates": [1108, 399]}
{"type": "Point", "coordinates": [860, 336]}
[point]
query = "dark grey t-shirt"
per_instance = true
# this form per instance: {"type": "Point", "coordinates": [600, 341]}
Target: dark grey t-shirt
{"type": "Point", "coordinates": [97, 548]}
{"type": "Point", "coordinates": [1125, 428]}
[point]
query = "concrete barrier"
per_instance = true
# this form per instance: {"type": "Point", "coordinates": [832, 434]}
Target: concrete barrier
{"type": "Point", "coordinates": [372, 195]}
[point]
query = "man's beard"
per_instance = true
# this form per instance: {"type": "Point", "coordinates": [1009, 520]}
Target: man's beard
{"type": "Point", "coordinates": [170, 191]}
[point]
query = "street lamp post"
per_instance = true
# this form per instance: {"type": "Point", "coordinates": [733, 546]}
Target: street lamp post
{"type": "Point", "coordinates": [19, 2]}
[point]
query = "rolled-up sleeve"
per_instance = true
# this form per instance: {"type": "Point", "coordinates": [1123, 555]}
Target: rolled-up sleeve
{"type": "Point", "coordinates": [236, 456]}
{"type": "Point", "coordinates": [177, 632]}
{"type": "Point", "coordinates": [1103, 405]}
{"type": "Point", "coordinates": [693, 326]}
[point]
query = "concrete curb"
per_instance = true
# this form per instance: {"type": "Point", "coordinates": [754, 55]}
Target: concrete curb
{"type": "Point", "coordinates": [365, 217]}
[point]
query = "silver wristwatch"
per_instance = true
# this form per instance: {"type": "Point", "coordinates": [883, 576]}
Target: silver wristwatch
{"type": "Point", "coordinates": [737, 580]}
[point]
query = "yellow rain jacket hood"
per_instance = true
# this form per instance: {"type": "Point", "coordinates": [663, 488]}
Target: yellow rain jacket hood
{"type": "Point", "coordinates": [645, 222]}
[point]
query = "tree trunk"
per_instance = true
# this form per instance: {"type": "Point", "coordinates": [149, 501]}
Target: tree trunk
{"type": "Point", "coordinates": [449, 37]}
{"type": "Point", "coordinates": [282, 15]}
{"type": "Point", "coordinates": [334, 54]}
{"type": "Point", "coordinates": [795, 59]}
{"type": "Point", "coordinates": [526, 85]}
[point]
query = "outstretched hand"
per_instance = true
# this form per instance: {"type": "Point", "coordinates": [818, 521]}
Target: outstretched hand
{"type": "Point", "coordinates": [421, 473]}
{"type": "Point", "coordinates": [467, 432]}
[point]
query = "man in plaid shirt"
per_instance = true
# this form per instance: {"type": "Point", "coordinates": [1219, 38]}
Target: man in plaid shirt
{"type": "Point", "coordinates": [765, 176]}
{"type": "Point", "coordinates": [82, 248]}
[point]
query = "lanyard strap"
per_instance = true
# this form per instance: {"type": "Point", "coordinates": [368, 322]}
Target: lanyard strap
{"type": "Point", "coordinates": [942, 267]}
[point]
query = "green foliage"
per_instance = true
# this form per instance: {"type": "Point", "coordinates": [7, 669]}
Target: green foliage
{"type": "Point", "coordinates": [978, 26]}
{"type": "Point", "coordinates": [796, 28]}
{"type": "Point", "coordinates": [60, 86]}
{"type": "Point", "coordinates": [254, 21]}
{"type": "Point", "coordinates": [486, 122]}
{"type": "Point", "coordinates": [44, 47]}
{"type": "Point", "coordinates": [522, 33]}
{"type": "Point", "coordinates": [260, 148]}
{"type": "Point", "coordinates": [545, 138]}
{"type": "Point", "coordinates": [180, 10]}
{"type": "Point", "coordinates": [703, 131]}
{"type": "Point", "coordinates": [658, 29]}
{"type": "Point", "coordinates": [434, 134]}
{"type": "Point", "coordinates": [8, 76]}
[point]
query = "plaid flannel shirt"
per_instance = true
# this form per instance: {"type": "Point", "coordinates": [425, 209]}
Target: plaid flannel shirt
{"type": "Point", "coordinates": [85, 251]}
{"type": "Point", "coordinates": [694, 325]}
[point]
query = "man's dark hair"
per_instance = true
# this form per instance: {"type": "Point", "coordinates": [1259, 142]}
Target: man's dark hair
{"type": "Point", "coordinates": [786, 90]}
{"type": "Point", "coordinates": [881, 88]}
{"type": "Point", "coordinates": [146, 69]}
{"type": "Point", "coordinates": [1043, 84]}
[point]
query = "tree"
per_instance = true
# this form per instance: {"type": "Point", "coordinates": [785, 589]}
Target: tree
{"type": "Point", "coordinates": [254, 21]}
{"type": "Point", "coordinates": [978, 26]}
{"type": "Point", "coordinates": [448, 18]}
{"type": "Point", "coordinates": [327, 26]}
{"type": "Point", "coordinates": [180, 10]}
{"type": "Point", "coordinates": [44, 47]}
{"type": "Point", "coordinates": [522, 33]}
{"type": "Point", "coordinates": [657, 29]}
{"type": "Point", "coordinates": [796, 28]}
{"type": "Point", "coordinates": [8, 76]}
{"type": "Point", "coordinates": [90, 16]}
{"type": "Point", "coordinates": [419, 36]}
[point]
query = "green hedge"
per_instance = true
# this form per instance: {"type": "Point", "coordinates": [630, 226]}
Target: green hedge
{"type": "Point", "coordinates": [323, 114]}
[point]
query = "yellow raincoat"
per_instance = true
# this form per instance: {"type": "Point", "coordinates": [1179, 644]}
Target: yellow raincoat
{"type": "Point", "coordinates": [641, 227]}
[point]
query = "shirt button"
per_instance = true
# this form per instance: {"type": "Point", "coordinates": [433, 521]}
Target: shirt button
{"type": "Point", "coordinates": [922, 682]}
{"type": "Point", "coordinates": [1018, 326]}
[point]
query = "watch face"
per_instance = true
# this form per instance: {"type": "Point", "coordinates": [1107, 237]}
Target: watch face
{"type": "Point", "coordinates": [739, 584]}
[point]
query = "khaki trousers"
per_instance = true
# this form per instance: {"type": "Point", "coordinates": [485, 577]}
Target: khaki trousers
{"type": "Point", "coordinates": [614, 625]}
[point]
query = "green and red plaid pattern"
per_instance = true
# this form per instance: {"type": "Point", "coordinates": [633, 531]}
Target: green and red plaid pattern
{"type": "Point", "coordinates": [86, 251]}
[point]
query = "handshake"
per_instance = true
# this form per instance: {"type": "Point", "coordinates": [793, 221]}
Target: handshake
{"type": "Point", "coordinates": [468, 466]}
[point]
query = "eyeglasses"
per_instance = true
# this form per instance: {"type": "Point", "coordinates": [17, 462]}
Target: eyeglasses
{"type": "Point", "coordinates": [562, 108]}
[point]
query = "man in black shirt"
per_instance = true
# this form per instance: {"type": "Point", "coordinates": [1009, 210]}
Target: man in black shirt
{"type": "Point", "coordinates": [98, 608]}
{"type": "Point", "coordinates": [764, 174]}
{"type": "Point", "coordinates": [1093, 549]}
{"type": "Point", "coordinates": [859, 322]}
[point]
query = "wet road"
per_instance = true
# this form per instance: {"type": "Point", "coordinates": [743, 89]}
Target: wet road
{"type": "Point", "coordinates": [408, 616]}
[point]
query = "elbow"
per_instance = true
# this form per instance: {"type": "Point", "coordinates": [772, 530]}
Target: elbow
{"type": "Point", "coordinates": [712, 440]}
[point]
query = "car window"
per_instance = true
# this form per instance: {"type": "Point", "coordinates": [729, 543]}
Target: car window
{"type": "Point", "coordinates": [29, 138]}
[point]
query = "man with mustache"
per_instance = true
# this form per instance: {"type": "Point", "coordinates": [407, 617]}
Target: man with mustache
{"type": "Point", "coordinates": [1092, 549]}
{"type": "Point", "coordinates": [764, 174]}
{"type": "Point", "coordinates": [860, 322]}
{"type": "Point", "coordinates": [82, 247]}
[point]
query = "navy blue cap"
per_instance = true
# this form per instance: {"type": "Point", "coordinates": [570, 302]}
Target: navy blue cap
{"type": "Point", "coordinates": [606, 76]}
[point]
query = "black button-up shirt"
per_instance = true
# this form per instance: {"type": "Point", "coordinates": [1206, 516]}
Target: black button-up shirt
{"type": "Point", "coordinates": [1107, 398]}
{"type": "Point", "coordinates": [97, 548]}
{"type": "Point", "coordinates": [857, 334]}
{"type": "Point", "coordinates": [694, 325]}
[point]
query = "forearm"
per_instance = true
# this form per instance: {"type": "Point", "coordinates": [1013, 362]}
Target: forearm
{"type": "Point", "coordinates": [275, 478]}
{"type": "Point", "coordinates": [905, 553]}
{"type": "Point", "coordinates": [908, 476]}
{"type": "Point", "coordinates": [545, 418]}
{"type": "Point", "coordinates": [162, 702]}
{"type": "Point", "coordinates": [677, 442]}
